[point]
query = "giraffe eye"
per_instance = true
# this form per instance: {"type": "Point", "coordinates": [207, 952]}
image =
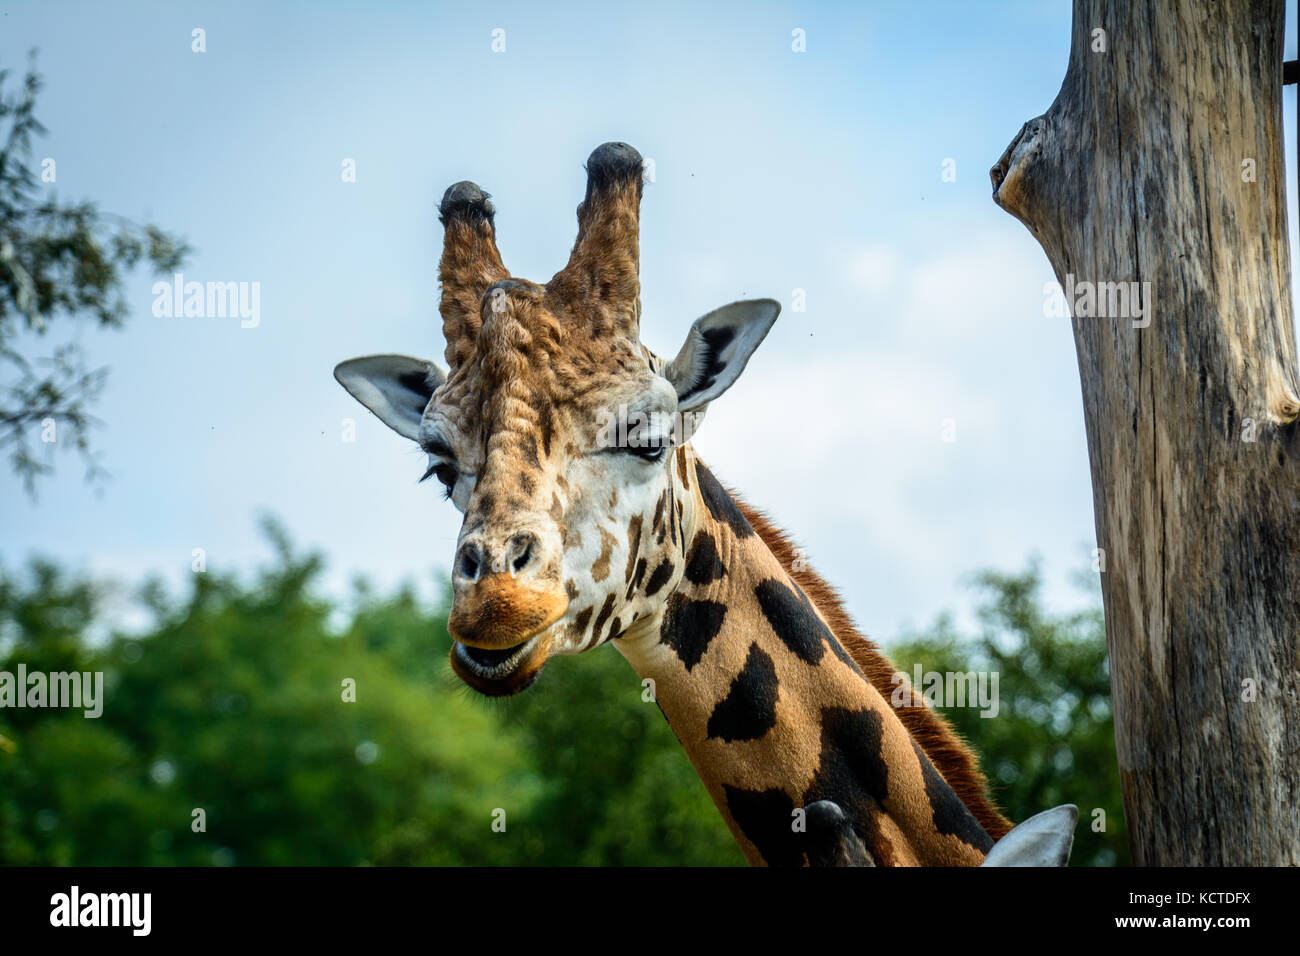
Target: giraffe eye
{"type": "Point", "coordinates": [445, 473]}
{"type": "Point", "coordinates": [648, 452]}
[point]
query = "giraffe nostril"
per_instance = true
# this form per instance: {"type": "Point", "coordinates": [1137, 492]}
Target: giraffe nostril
{"type": "Point", "coordinates": [521, 562]}
{"type": "Point", "coordinates": [523, 546]}
{"type": "Point", "coordinates": [470, 560]}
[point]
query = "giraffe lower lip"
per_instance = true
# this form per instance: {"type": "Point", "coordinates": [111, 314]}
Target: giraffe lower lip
{"type": "Point", "coordinates": [492, 663]}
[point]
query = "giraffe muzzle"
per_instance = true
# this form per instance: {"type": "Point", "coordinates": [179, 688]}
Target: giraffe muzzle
{"type": "Point", "coordinates": [500, 626]}
{"type": "Point", "coordinates": [500, 673]}
{"type": "Point", "coordinates": [499, 612]}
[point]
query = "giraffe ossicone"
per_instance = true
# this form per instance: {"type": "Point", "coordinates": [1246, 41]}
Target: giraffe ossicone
{"type": "Point", "coordinates": [577, 534]}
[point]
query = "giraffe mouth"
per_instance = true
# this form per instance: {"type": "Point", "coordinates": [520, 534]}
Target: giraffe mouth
{"type": "Point", "coordinates": [499, 672]}
{"type": "Point", "coordinates": [493, 662]}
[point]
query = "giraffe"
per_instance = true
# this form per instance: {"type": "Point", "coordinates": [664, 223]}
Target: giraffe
{"type": "Point", "coordinates": [588, 519]}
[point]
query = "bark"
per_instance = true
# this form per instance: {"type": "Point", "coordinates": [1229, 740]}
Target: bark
{"type": "Point", "coordinates": [1138, 172]}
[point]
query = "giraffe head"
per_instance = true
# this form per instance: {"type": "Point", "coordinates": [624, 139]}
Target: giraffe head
{"type": "Point", "coordinates": [555, 432]}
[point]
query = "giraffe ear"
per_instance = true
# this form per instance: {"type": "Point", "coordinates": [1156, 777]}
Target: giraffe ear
{"type": "Point", "coordinates": [716, 350]}
{"type": "Point", "coordinates": [395, 387]}
{"type": "Point", "coordinates": [1044, 839]}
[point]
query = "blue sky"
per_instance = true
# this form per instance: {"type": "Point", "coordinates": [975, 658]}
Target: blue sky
{"type": "Point", "coordinates": [774, 171]}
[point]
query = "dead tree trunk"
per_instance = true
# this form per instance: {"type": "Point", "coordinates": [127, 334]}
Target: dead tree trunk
{"type": "Point", "coordinates": [1160, 163]}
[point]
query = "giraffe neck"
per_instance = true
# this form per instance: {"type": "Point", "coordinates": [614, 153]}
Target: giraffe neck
{"type": "Point", "coordinates": [772, 710]}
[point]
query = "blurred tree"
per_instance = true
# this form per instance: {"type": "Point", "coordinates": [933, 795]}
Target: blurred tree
{"type": "Point", "coordinates": [232, 701]}
{"type": "Point", "coordinates": [1053, 739]}
{"type": "Point", "coordinates": [619, 788]}
{"type": "Point", "coordinates": [55, 260]}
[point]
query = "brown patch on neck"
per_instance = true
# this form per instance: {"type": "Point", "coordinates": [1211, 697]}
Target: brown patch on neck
{"type": "Point", "coordinates": [683, 468]}
{"type": "Point", "coordinates": [633, 546]}
{"type": "Point", "coordinates": [600, 567]}
{"type": "Point", "coordinates": [943, 745]}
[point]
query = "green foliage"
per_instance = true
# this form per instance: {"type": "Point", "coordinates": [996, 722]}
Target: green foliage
{"type": "Point", "coordinates": [1053, 739]}
{"type": "Point", "coordinates": [232, 702]}
{"type": "Point", "coordinates": [56, 260]}
{"type": "Point", "coordinates": [637, 799]}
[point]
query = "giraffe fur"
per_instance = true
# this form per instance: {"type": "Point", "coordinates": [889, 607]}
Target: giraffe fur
{"type": "Point", "coordinates": [566, 444]}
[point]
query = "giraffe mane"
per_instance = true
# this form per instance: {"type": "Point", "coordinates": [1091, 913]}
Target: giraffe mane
{"type": "Point", "coordinates": [940, 742]}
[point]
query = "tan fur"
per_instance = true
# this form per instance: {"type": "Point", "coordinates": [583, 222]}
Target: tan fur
{"type": "Point", "coordinates": [945, 748]}
{"type": "Point", "coordinates": [533, 368]}
{"type": "Point", "coordinates": [470, 263]}
{"type": "Point", "coordinates": [501, 612]}
{"type": "Point", "coordinates": [790, 757]}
